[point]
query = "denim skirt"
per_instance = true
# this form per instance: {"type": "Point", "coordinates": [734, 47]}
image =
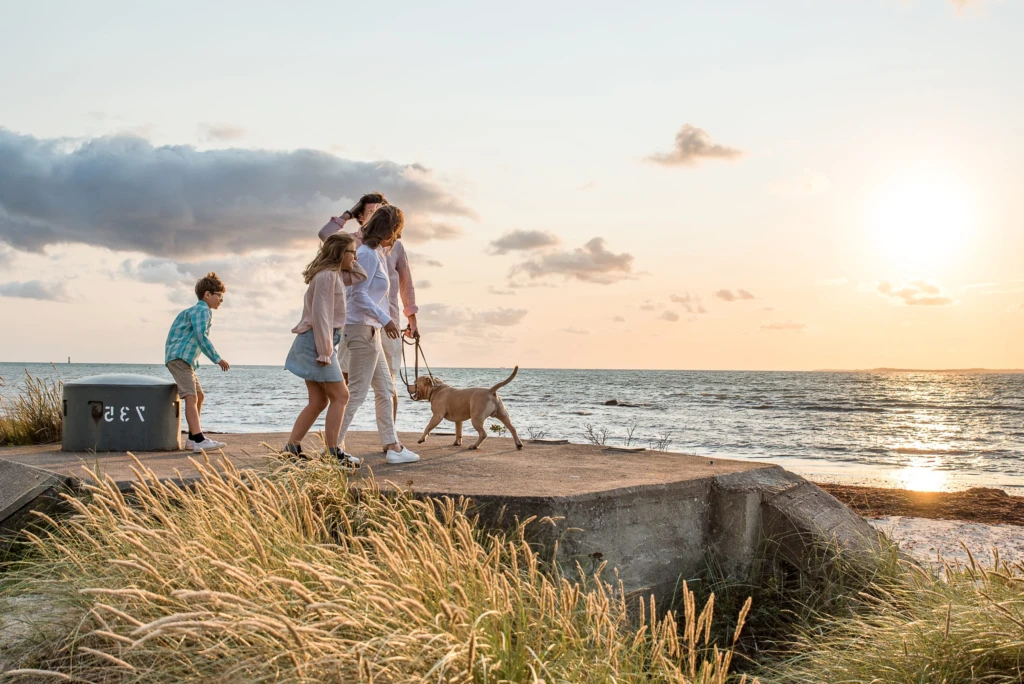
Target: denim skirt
{"type": "Point", "coordinates": [302, 359]}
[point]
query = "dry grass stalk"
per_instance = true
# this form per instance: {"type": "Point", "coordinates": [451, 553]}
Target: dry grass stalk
{"type": "Point", "coordinates": [35, 416]}
{"type": "Point", "coordinates": [299, 577]}
{"type": "Point", "coordinates": [963, 624]}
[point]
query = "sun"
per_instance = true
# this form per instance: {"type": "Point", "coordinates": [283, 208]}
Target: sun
{"type": "Point", "coordinates": [922, 222]}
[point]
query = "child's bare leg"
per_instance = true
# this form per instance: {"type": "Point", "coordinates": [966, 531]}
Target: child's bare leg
{"type": "Point", "coordinates": [192, 414]}
{"type": "Point", "coordinates": [315, 406]}
{"type": "Point", "coordinates": [337, 393]}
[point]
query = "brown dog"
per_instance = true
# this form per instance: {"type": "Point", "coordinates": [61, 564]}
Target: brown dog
{"type": "Point", "coordinates": [475, 404]}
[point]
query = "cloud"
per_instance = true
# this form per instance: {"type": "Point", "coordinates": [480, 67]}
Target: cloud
{"type": "Point", "coordinates": [221, 132]}
{"type": "Point", "coordinates": [692, 146]}
{"type": "Point", "coordinates": [671, 316]}
{"type": "Point", "coordinates": [690, 303]}
{"type": "Point", "coordinates": [730, 296]}
{"type": "Point", "coordinates": [575, 331]}
{"type": "Point", "coordinates": [423, 285]}
{"type": "Point", "coordinates": [523, 240]}
{"type": "Point", "coordinates": [238, 270]}
{"type": "Point", "coordinates": [1008, 287]}
{"type": "Point", "coordinates": [6, 257]}
{"type": "Point", "coordinates": [34, 289]}
{"type": "Point", "coordinates": [788, 325]}
{"type": "Point", "coordinates": [257, 283]}
{"type": "Point", "coordinates": [648, 305]}
{"type": "Point", "coordinates": [501, 293]}
{"type": "Point", "coordinates": [618, 319]}
{"type": "Point", "coordinates": [122, 193]}
{"type": "Point", "coordinates": [914, 293]}
{"type": "Point", "coordinates": [445, 318]}
{"type": "Point", "coordinates": [422, 260]}
{"type": "Point", "coordinates": [592, 263]}
{"type": "Point", "coordinates": [418, 233]}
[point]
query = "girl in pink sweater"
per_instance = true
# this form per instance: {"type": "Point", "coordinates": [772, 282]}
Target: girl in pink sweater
{"type": "Point", "coordinates": [313, 356]}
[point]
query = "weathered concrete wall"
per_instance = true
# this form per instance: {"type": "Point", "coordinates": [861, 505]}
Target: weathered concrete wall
{"type": "Point", "coordinates": [657, 534]}
{"type": "Point", "coordinates": [24, 489]}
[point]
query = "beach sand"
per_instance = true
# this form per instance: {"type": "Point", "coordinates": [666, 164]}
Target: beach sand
{"type": "Point", "coordinates": [932, 541]}
{"type": "Point", "coordinates": [934, 525]}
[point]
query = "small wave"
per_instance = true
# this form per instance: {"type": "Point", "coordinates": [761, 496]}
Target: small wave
{"type": "Point", "coordinates": [839, 409]}
{"type": "Point", "coordinates": [764, 406]}
{"type": "Point", "coordinates": [947, 452]}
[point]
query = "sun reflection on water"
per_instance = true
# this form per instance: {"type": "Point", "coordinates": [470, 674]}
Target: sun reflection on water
{"type": "Point", "coordinates": [921, 477]}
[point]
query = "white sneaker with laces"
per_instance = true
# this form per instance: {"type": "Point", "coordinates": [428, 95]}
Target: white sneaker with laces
{"type": "Point", "coordinates": [406, 455]}
{"type": "Point", "coordinates": [207, 445]}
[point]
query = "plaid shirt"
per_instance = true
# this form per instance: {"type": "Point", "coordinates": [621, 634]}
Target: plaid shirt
{"type": "Point", "coordinates": [188, 336]}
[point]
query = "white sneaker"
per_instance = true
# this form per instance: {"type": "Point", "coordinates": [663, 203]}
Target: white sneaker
{"type": "Point", "coordinates": [188, 445]}
{"type": "Point", "coordinates": [404, 456]}
{"type": "Point", "coordinates": [207, 445]}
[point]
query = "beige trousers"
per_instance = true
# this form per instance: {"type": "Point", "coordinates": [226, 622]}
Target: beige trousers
{"type": "Point", "coordinates": [368, 368]}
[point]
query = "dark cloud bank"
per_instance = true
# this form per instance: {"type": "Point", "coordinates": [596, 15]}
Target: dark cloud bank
{"type": "Point", "coordinates": [123, 193]}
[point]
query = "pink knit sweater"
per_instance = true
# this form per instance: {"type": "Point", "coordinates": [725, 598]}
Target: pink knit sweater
{"type": "Point", "coordinates": [323, 307]}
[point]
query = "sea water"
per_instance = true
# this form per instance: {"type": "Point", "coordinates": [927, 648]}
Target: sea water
{"type": "Point", "coordinates": [914, 429]}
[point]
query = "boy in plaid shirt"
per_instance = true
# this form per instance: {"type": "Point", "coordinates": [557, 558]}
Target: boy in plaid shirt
{"type": "Point", "coordinates": [185, 340]}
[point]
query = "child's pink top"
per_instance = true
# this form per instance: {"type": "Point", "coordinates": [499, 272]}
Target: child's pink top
{"type": "Point", "coordinates": [323, 307]}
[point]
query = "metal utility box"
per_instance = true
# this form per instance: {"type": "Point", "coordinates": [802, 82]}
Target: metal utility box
{"type": "Point", "coordinates": [120, 412]}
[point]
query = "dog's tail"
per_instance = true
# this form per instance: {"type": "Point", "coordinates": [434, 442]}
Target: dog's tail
{"type": "Point", "coordinates": [505, 381]}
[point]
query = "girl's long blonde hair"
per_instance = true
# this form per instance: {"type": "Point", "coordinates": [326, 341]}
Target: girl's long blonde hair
{"type": "Point", "coordinates": [332, 251]}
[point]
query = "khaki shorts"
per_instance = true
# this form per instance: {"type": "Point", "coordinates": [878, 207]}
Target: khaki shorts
{"type": "Point", "coordinates": [185, 377]}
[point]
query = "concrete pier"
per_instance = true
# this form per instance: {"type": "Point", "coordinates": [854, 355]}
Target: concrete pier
{"type": "Point", "coordinates": [655, 516]}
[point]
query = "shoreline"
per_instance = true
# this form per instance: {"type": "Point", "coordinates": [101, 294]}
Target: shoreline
{"type": "Point", "coordinates": [986, 505]}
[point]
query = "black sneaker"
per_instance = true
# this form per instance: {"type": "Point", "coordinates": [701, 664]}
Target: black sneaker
{"type": "Point", "coordinates": [344, 458]}
{"type": "Point", "coordinates": [294, 450]}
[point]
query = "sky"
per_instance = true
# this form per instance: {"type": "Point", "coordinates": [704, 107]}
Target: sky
{"type": "Point", "coordinates": [698, 185]}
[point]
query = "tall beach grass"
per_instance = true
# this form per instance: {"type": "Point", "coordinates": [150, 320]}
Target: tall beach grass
{"type": "Point", "coordinates": [34, 416]}
{"type": "Point", "coordinates": [301, 577]}
{"type": "Point", "coordinates": [963, 623]}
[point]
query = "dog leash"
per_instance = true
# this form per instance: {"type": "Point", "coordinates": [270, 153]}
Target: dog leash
{"type": "Point", "coordinates": [403, 372]}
